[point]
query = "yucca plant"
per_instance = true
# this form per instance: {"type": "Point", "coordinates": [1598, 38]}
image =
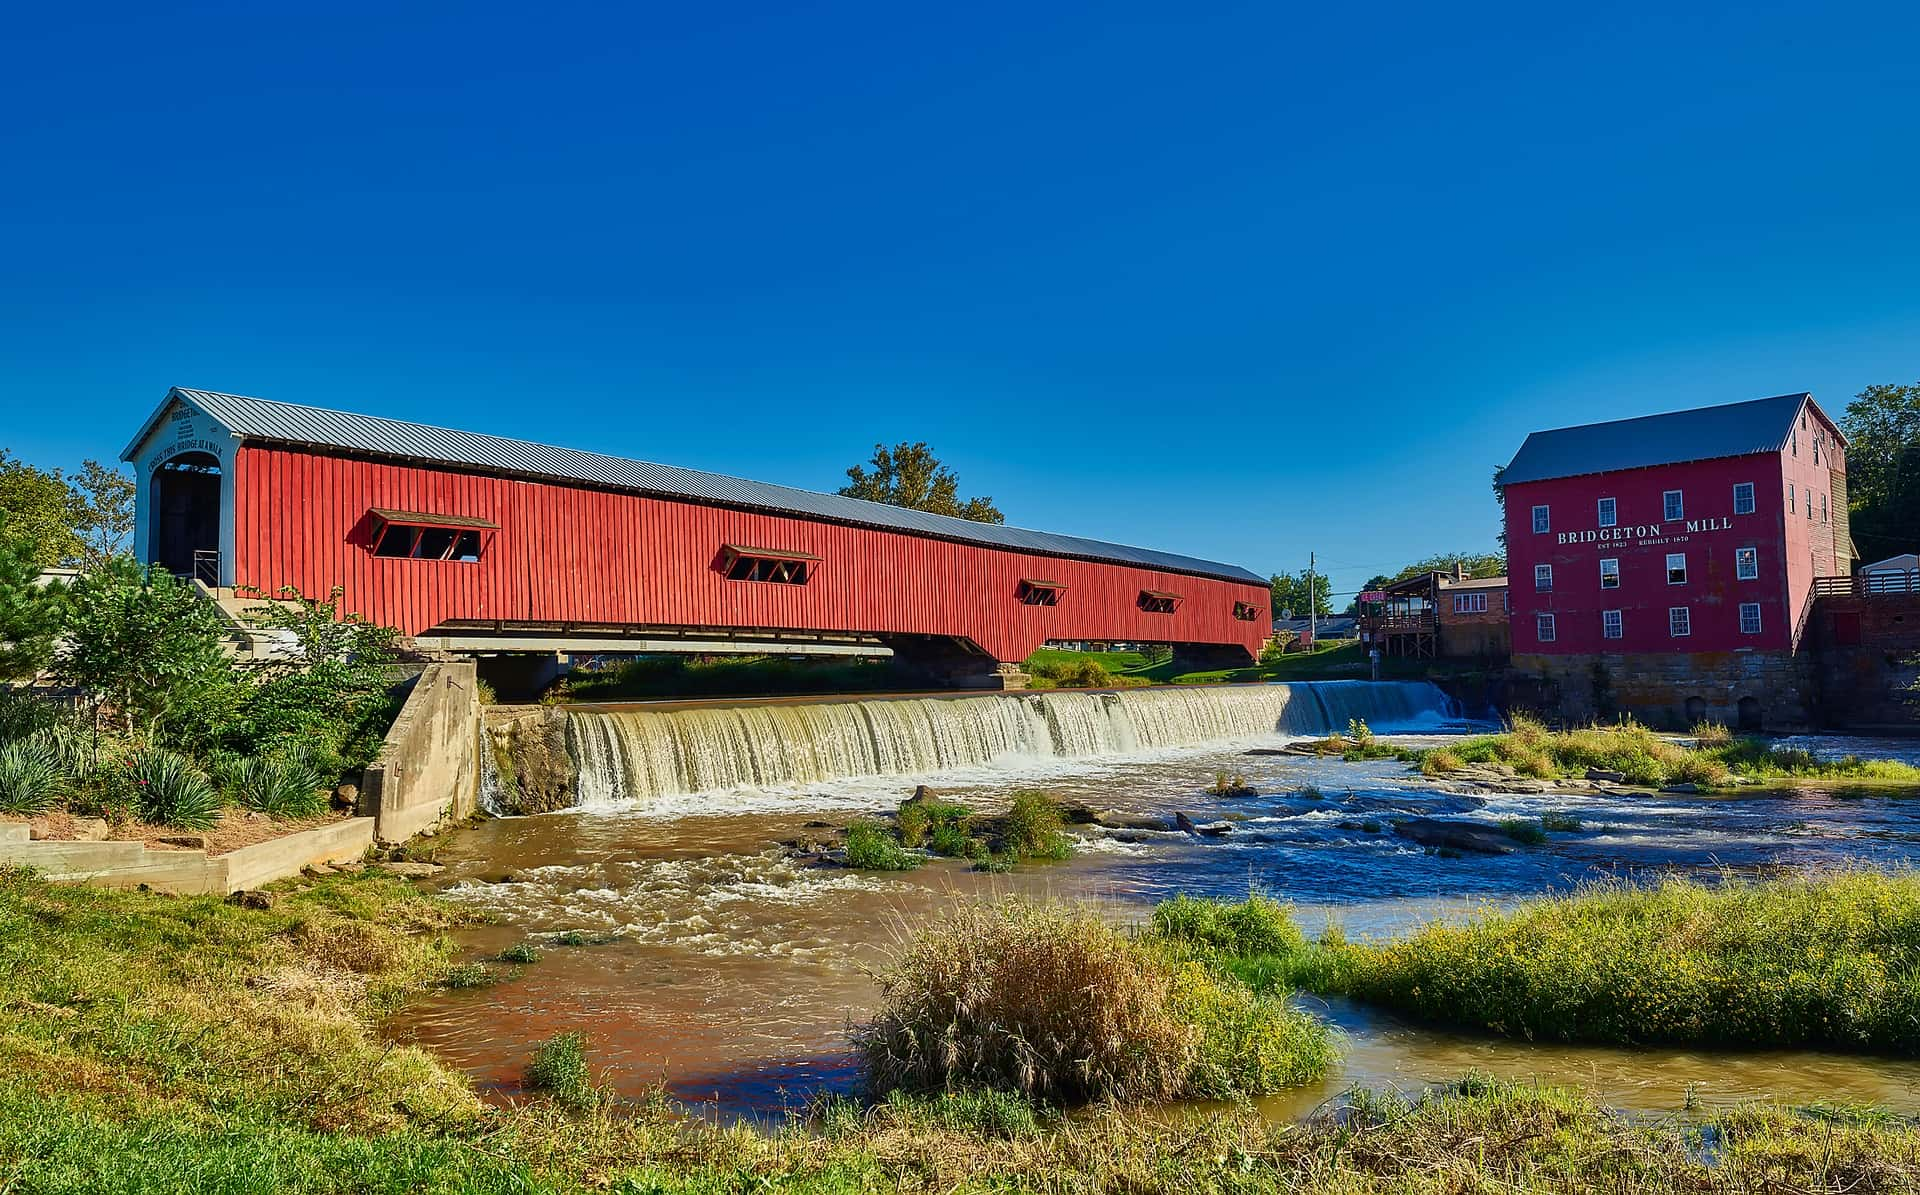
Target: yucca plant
{"type": "Point", "coordinates": [172, 791]}
{"type": "Point", "coordinates": [30, 777]}
{"type": "Point", "coordinates": [284, 786]}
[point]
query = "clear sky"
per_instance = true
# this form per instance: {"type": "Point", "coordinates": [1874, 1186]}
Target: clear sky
{"type": "Point", "coordinates": [1239, 280]}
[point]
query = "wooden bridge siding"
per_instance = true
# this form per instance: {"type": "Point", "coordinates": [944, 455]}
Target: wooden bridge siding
{"type": "Point", "coordinates": [568, 553]}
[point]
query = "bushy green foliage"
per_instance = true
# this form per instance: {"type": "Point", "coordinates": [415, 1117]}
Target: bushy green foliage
{"type": "Point", "coordinates": [285, 785]}
{"type": "Point", "coordinates": [466, 976]}
{"type": "Point", "coordinates": [30, 776]}
{"type": "Point", "coordinates": [1256, 925]}
{"type": "Point", "coordinates": [1523, 830]}
{"type": "Point", "coordinates": [1078, 673]}
{"type": "Point", "coordinates": [39, 514]}
{"type": "Point", "coordinates": [1032, 828]}
{"type": "Point", "coordinates": [333, 698]}
{"type": "Point", "coordinates": [146, 644]}
{"type": "Point", "coordinates": [30, 613]}
{"type": "Point", "coordinates": [1829, 962]}
{"type": "Point", "coordinates": [520, 952]}
{"type": "Point", "coordinates": [171, 791]}
{"type": "Point", "coordinates": [1643, 757]}
{"type": "Point", "coordinates": [1440, 762]}
{"type": "Point", "coordinates": [929, 823]}
{"type": "Point", "coordinates": [685, 676]}
{"type": "Point", "coordinates": [871, 848]}
{"type": "Point", "coordinates": [559, 1071]}
{"type": "Point", "coordinates": [1053, 1003]}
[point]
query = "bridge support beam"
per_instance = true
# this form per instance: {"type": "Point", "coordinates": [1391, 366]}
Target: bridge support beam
{"type": "Point", "coordinates": [523, 676]}
{"type": "Point", "coordinates": [937, 662]}
{"type": "Point", "coordinates": [1209, 657]}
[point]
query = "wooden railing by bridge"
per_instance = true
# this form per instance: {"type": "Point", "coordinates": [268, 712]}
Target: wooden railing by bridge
{"type": "Point", "coordinates": [1867, 585]}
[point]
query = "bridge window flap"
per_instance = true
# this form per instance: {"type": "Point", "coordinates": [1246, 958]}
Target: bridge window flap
{"type": "Point", "coordinates": [1246, 611]}
{"type": "Point", "coordinates": [1034, 592]}
{"type": "Point", "coordinates": [777, 566]}
{"type": "Point", "coordinates": [1159, 601]}
{"type": "Point", "coordinates": [416, 535]}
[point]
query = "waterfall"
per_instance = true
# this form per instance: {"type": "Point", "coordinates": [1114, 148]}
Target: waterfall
{"type": "Point", "coordinates": [629, 755]}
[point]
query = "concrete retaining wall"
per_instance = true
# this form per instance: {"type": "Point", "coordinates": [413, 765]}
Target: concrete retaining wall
{"type": "Point", "coordinates": [429, 768]}
{"type": "Point", "coordinates": [187, 872]}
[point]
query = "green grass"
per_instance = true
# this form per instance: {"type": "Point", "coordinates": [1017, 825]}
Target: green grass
{"type": "Point", "coordinates": [1643, 757]}
{"type": "Point", "coordinates": [1523, 830]}
{"type": "Point", "coordinates": [1827, 962]}
{"type": "Point", "coordinates": [559, 1071]}
{"type": "Point", "coordinates": [161, 1044]}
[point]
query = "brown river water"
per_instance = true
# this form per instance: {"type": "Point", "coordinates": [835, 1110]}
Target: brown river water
{"type": "Point", "coordinates": [734, 972]}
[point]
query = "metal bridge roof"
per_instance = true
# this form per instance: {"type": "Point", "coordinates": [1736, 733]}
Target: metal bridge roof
{"type": "Point", "coordinates": [318, 427]}
{"type": "Point", "coordinates": [1702, 434]}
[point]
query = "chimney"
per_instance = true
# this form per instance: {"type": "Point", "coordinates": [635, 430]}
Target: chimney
{"type": "Point", "coordinates": [1459, 570]}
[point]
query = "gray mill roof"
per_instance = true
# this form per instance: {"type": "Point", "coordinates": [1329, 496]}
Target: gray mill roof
{"type": "Point", "coordinates": [1702, 434]}
{"type": "Point", "coordinates": [318, 427]}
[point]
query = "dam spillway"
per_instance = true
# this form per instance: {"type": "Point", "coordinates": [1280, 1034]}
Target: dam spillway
{"type": "Point", "coordinates": [627, 756]}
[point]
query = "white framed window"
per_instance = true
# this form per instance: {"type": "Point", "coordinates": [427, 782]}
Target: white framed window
{"type": "Point", "coordinates": [1823, 507]}
{"type": "Point", "coordinates": [1610, 573]}
{"type": "Point", "coordinates": [1542, 578]}
{"type": "Point", "coordinates": [1608, 512]}
{"type": "Point", "coordinates": [1542, 520]}
{"type": "Point", "coordinates": [1743, 498]}
{"type": "Point", "coordinates": [1676, 568]}
{"type": "Point", "coordinates": [1611, 625]}
{"type": "Point", "coordinates": [1749, 618]}
{"type": "Point", "coordinates": [1746, 564]}
{"type": "Point", "coordinates": [1679, 621]}
{"type": "Point", "coordinates": [1809, 505]}
{"type": "Point", "coordinates": [1543, 627]}
{"type": "Point", "coordinates": [1470, 603]}
{"type": "Point", "coordinates": [1674, 505]}
{"type": "Point", "coordinates": [1789, 497]}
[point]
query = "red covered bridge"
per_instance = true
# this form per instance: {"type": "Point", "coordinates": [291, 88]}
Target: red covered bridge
{"type": "Point", "coordinates": [477, 544]}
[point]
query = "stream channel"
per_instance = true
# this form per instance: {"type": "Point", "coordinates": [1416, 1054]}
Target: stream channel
{"type": "Point", "coordinates": [735, 971]}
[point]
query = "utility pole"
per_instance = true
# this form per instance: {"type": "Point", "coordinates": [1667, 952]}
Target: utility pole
{"type": "Point", "coordinates": [1313, 606]}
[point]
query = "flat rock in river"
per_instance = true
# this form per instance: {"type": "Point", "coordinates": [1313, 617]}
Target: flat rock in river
{"type": "Point", "coordinates": [1114, 820]}
{"type": "Point", "coordinates": [1440, 803]}
{"type": "Point", "coordinates": [1459, 836]}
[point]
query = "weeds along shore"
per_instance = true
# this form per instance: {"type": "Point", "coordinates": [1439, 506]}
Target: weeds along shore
{"type": "Point", "coordinates": [157, 1043]}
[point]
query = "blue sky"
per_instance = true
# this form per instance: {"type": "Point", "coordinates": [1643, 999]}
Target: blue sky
{"type": "Point", "coordinates": [1242, 283]}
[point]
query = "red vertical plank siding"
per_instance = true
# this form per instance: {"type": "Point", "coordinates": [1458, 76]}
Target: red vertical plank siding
{"type": "Point", "coordinates": [567, 553]}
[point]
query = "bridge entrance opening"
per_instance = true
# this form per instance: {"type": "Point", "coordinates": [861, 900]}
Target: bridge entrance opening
{"type": "Point", "coordinates": [185, 534]}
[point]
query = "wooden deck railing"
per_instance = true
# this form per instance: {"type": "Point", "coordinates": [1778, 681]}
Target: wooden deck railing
{"type": "Point", "coordinates": [1867, 585]}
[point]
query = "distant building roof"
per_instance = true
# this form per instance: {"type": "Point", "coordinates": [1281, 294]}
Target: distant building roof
{"type": "Point", "coordinates": [1332, 626]}
{"type": "Point", "coordinates": [318, 427]}
{"type": "Point", "coordinates": [1903, 563]}
{"type": "Point", "coordinates": [1701, 434]}
{"type": "Point", "coordinates": [1447, 582]}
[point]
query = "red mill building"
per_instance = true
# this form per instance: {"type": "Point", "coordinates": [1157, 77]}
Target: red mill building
{"type": "Point", "coordinates": [1664, 566]}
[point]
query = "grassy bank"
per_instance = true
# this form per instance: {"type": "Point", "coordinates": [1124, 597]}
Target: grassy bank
{"type": "Point", "coordinates": [1828, 962]}
{"type": "Point", "coordinates": [1639, 755]}
{"type": "Point", "coordinates": [153, 1043]}
{"type": "Point", "coordinates": [647, 678]}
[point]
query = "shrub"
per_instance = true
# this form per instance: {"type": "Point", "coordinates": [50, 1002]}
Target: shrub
{"type": "Point", "coordinates": [1819, 962]}
{"type": "Point", "coordinates": [1054, 1004]}
{"type": "Point", "coordinates": [871, 848]}
{"type": "Point", "coordinates": [284, 786]}
{"type": "Point", "coordinates": [559, 1071]}
{"type": "Point", "coordinates": [1439, 762]}
{"type": "Point", "coordinates": [1032, 828]}
{"type": "Point", "coordinates": [1524, 830]}
{"type": "Point", "coordinates": [1711, 734]}
{"type": "Point", "coordinates": [1256, 925]}
{"type": "Point", "coordinates": [30, 777]}
{"type": "Point", "coordinates": [1311, 792]}
{"type": "Point", "coordinates": [171, 791]}
{"type": "Point", "coordinates": [1560, 823]}
{"type": "Point", "coordinates": [466, 976]}
{"type": "Point", "coordinates": [1360, 733]}
{"type": "Point", "coordinates": [520, 952]}
{"type": "Point", "coordinates": [919, 821]}
{"type": "Point", "coordinates": [952, 840]}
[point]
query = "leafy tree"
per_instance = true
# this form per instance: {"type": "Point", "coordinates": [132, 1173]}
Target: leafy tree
{"type": "Point", "coordinates": [910, 475]}
{"type": "Point", "coordinates": [1500, 500]}
{"type": "Point", "coordinates": [147, 646]}
{"type": "Point", "coordinates": [1882, 424]}
{"type": "Point", "coordinates": [101, 508]}
{"type": "Point", "coordinates": [329, 693]}
{"type": "Point", "coordinates": [38, 509]}
{"type": "Point", "coordinates": [29, 612]}
{"type": "Point", "coordinates": [1290, 593]}
{"type": "Point", "coordinates": [1477, 564]}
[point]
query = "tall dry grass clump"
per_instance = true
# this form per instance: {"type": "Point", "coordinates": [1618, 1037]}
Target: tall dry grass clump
{"type": "Point", "coordinates": [1050, 1002]}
